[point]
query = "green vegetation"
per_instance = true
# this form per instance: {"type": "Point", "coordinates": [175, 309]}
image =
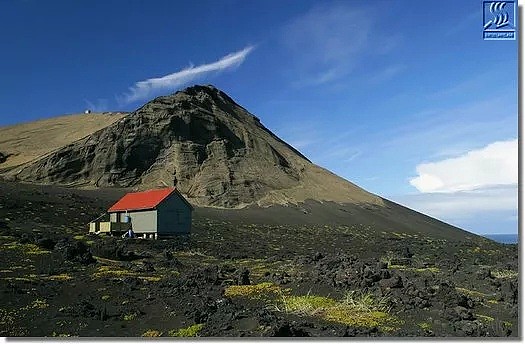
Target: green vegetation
{"type": "Point", "coordinates": [356, 309]}
{"type": "Point", "coordinates": [131, 316]}
{"type": "Point", "coordinates": [83, 238]}
{"type": "Point", "coordinates": [30, 249]}
{"type": "Point", "coordinates": [60, 277]}
{"type": "Point", "coordinates": [479, 249]}
{"type": "Point", "coordinates": [398, 267]}
{"type": "Point", "coordinates": [471, 293]}
{"type": "Point", "coordinates": [152, 333]}
{"type": "Point", "coordinates": [432, 269]}
{"type": "Point", "coordinates": [504, 273]}
{"type": "Point", "coordinates": [307, 305]}
{"type": "Point", "coordinates": [191, 331]}
{"type": "Point", "coordinates": [117, 272]}
{"type": "Point", "coordinates": [400, 235]}
{"type": "Point", "coordinates": [388, 258]}
{"type": "Point", "coordinates": [366, 302]}
{"type": "Point", "coordinates": [10, 321]}
{"type": "Point", "coordinates": [6, 318]}
{"type": "Point", "coordinates": [20, 279]}
{"type": "Point", "coordinates": [35, 277]}
{"type": "Point", "coordinates": [351, 317]}
{"type": "Point", "coordinates": [109, 271]}
{"type": "Point", "coordinates": [37, 304]}
{"type": "Point", "coordinates": [484, 318]}
{"type": "Point", "coordinates": [424, 326]}
{"type": "Point", "coordinates": [363, 310]}
{"type": "Point", "coordinates": [150, 278]}
{"type": "Point", "coordinates": [105, 297]}
{"type": "Point", "coordinates": [56, 334]}
{"type": "Point", "coordinates": [258, 267]}
{"type": "Point", "coordinates": [254, 291]}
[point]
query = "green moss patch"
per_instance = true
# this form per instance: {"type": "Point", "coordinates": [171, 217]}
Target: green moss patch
{"type": "Point", "coordinates": [356, 318]}
{"type": "Point", "coordinates": [109, 271]}
{"type": "Point", "coordinates": [504, 274]}
{"type": "Point", "coordinates": [307, 304]}
{"type": "Point", "coordinates": [130, 316]}
{"type": "Point", "coordinates": [471, 293]}
{"type": "Point", "coordinates": [190, 331]}
{"type": "Point", "coordinates": [424, 326]}
{"type": "Point", "coordinates": [484, 318]}
{"type": "Point", "coordinates": [356, 309]}
{"type": "Point", "coordinates": [152, 333]}
{"type": "Point", "coordinates": [30, 249]}
{"type": "Point", "coordinates": [255, 291]}
{"type": "Point", "coordinates": [60, 277]}
{"type": "Point", "coordinates": [432, 269]}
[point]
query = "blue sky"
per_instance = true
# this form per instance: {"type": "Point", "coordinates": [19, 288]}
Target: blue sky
{"type": "Point", "coordinates": [404, 98]}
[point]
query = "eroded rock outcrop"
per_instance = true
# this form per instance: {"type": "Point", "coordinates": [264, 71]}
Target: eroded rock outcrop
{"type": "Point", "coordinates": [201, 141]}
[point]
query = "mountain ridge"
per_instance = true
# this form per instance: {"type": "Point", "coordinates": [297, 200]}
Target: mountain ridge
{"type": "Point", "coordinates": [204, 143]}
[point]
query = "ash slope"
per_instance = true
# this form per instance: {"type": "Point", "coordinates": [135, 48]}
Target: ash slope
{"type": "Point", "coordinates": [22, 143]}
{"type": "Point", "coordinates": [201, 141]}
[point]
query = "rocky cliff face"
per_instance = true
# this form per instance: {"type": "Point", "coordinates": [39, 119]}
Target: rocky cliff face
{"type": "Point", "coordinates": [199, 140]}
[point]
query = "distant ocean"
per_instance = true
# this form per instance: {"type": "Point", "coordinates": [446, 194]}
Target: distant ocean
{"type": "Point", "coordinates": [503, 238]}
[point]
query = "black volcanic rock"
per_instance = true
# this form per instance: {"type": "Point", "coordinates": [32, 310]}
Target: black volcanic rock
{"type": "Point", "coordinates": [3, 157]}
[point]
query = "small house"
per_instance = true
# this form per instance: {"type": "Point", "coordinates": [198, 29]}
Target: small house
{"type": "Point", "coordinates": [152, 214]}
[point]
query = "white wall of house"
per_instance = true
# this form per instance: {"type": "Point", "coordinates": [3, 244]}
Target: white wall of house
{"type": "Point", "coordinates": [142, 221]}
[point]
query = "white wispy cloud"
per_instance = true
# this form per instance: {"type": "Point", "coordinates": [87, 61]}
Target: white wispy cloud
{"type": "Point", "coordinates": [319, 142]}
{"type": "Point", "coordinates": [444, 131]}
{"type": "Point", "coordinates": [389, 42]}
{"type": "Point", "coordinates": [464, 22]}
{"type": "Point", "coordinates": [300, 144]}
{"type": "Point", "coordinates": [100, 105]}
{"type": "Point", "coordinates": [471, 85]}
{"type": "Point", "coordinates": [343, 153]}
{"type": "Point", "coordinates": [495, 164]}
{"type": "Point", "coordinates": [146, 88]}
{"type": "Point", "coordinates": [330, 40]}
{"type": "Point", "coordinates": [386, 74]}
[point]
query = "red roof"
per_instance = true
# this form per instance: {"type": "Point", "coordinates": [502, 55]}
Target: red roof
{"type": "Point", "coordinates": [141, 200]}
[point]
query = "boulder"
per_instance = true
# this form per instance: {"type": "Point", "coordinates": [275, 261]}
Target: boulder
{"type": "Point", "coordinates": [393, 282]}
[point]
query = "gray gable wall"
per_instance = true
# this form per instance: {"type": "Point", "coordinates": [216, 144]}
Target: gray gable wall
{"type": "Point", "coordinates": [174, 215]}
